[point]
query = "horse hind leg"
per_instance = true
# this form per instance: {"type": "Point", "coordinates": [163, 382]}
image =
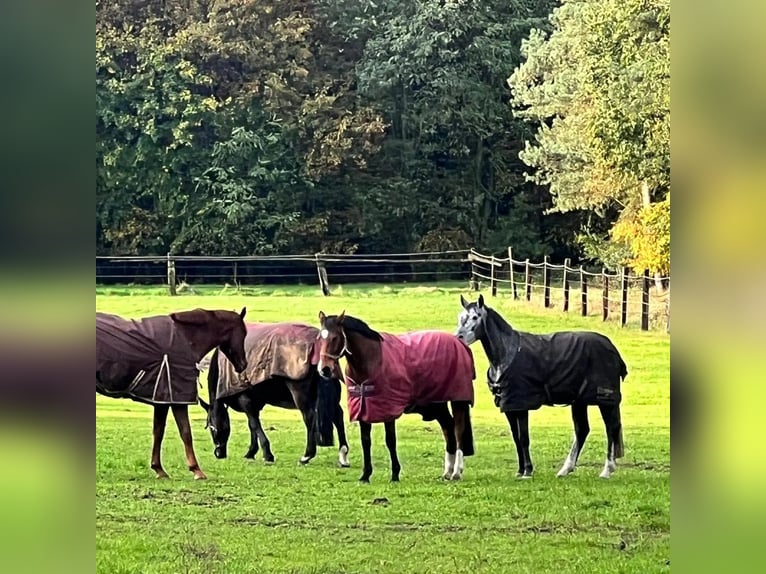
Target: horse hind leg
{"type": "Point", "coordinates": [391, 444]}
{"type": "Point", "coordinates": [614, 445]}
{"type": "Point", "coordinates": [447, 424]}
{"type": "Point", "coordinates": [581, 430]}
{"type": "Point", "coordinates": [463, 437]}
{"type": "Point", "coordinates": [158, 432]}
{"type": "Point", "coordinates": [365, 432]}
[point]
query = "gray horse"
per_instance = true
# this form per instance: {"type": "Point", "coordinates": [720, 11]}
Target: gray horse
{"type": "Point", "coordinates": [527, 371]}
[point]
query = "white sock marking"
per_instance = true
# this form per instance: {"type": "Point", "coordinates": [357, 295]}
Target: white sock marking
{"type": "Point", "coordinates": [449, 463]}
{"type": "Point", "coordinates": [343, 456]}
{"type": "Point", "coordinates": [457, 471]}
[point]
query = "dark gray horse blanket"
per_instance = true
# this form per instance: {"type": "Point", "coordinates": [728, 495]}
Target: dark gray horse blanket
{"type": "Point", "coordinates": [147, 360]}
{"type": "Point", "coordinates": [558, 368]}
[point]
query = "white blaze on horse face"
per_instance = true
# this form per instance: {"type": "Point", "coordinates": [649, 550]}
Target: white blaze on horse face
{"type": "Point", "coordinates": [324, 333]}
{"type": "Point", "coordinates": [468, 320]}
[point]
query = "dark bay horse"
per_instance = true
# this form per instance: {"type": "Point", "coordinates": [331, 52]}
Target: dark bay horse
{"type": "Point", "coordinates": [388, 375]}
{"type": "Point", "coordinates": [282, 372]}
{"type": "Point", "coordinates": [527, 371]}
{"type": "Point", "coordinates": [154, 361]}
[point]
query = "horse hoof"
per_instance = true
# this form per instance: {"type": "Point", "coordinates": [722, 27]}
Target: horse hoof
{"type": "Point", "coordinates": [456, 477]}
{"type": "Point", "coordinates": [605, 474]}
{"type": "Point", "coordinates": [269, 462]}
{"type": "Point", "coordinates": [564, 472]}
{"type": "Point", "coordinates": [163, 476]}
{"type": "Point", "coordinates": [364, 480]}
{"type": "Point", "coordinates": [344, 465]}
{"type": "Point", "coordinates": [200, 476]}
{"type": "Point", "coordinates": [304, 460]}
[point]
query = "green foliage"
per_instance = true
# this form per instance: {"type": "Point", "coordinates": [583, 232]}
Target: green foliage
{"type": "Point", "coordinates": [598, 85]}
{"type": "Point", "coordinates": [244, 127]}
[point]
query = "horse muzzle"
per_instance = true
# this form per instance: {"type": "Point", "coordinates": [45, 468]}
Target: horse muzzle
{"type": "Point", "coordinates": [219, 452]}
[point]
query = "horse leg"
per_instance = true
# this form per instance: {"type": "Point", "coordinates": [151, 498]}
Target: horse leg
{"type": "Point", "coordinates": [581, 430]}
{"type": "Point", "coordinates": [365, 432]}
{"type": "Point", "coordinates": [391, 444]}
{"type": "Point", "coordinates": [447, 424]}
{"type": "Point", "coordinates": [519, 421]}
{"type": "Point", "coordinates": [343, 448]}
{"type": "Point", "coordinates": [158, 431]}
{"type": "Point", "coordinates": [309, 419]}
{"type": "Point", "coordinates": [181, 414]}
{"type": "Point", "coordinates": [257, 434]}
{"type": "Point", "coordinates": [460, 414]}
{"type": "Point", "coordinates": [512, 422]}
{"type": "Point", "coordinates": [523, 421]}
{"type": "Point", "coordinates": [614, 445]}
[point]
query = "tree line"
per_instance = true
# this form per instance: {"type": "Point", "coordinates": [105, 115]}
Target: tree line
{"type": "Point", "coordinates": [244, 127]}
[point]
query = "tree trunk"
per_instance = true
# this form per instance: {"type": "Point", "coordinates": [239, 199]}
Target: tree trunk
{"type": "Point", "coordinates": [646, 198]}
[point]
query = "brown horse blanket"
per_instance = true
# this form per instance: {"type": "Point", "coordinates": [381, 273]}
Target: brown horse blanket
{"type": "Point", "coordinates": [416, 369]}
{"type": "Point", "coordinates": [147, 360]}
{"type": "Point", "coordinates": [558, 369]}
{"type": "Point", "coordinates": [285, 350]}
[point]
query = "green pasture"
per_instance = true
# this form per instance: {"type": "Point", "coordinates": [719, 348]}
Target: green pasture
{"type": "Point", "coordinates": [250, 518]}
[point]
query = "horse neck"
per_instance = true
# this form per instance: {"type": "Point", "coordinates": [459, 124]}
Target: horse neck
{"type": "Point", "coordinates": [202, 340]}
{"type": "Point", "coordinates": [496, 338]}
{"type": "Point", "coordinates": [364, 354]}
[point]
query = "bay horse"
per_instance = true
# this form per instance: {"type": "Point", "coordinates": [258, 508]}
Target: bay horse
{"type": "Point", "coordinates": [282, 372]}
{"type": "Point", "coordinates": [154, 360]}
{"type": "Point", "coordinates": [527, 371]}
{"type": "Point", "coordinates": [389, 375]}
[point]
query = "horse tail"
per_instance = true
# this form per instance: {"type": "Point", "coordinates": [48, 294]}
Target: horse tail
{"type": "Point", "coordinates": [212, 378]}
{"type": "Point", "coordinates": [327, 404]}
{"type": "Point", "coordinates": [468, 447]}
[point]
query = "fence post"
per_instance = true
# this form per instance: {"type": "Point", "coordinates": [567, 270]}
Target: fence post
{"type": "Point", "coordinates": [567, 262]}
{"type": "Point", "coordinates": [171, 275]}
{"type": "Point", "coordinates": [236, 281]}
{"type": "Point", "coordinates": [624, 297]}
{"type": "Point", "coordinates": [527, 285]}
{"type": "Point", "coordinates": [510, 267]}
{"type": "Point", "coordinates": [492, 279]}
{"type": "Point", "coordinates": [546, 283]}
{"type": "Point", "coordinates": [645, 302]}
{"type": "Point", "coordinates": [605, 294]}
{"type": "Point", "coordinates": [324, 284]}
{"type": "Point", "coordinates": [667, 311]}
{"type": "Point", "coordinates": [583, 292]}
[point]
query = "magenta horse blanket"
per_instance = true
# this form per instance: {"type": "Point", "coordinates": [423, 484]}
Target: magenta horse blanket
{"type": "Point", "coordinates": [416, 369]}
{"type": "Point", "coordinates": [286, 350]}
{"type": "Point", "coordinates": [147, 360]}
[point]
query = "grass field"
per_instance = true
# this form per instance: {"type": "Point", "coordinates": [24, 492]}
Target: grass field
{"type": "Point", "coordinates": [250, 517]}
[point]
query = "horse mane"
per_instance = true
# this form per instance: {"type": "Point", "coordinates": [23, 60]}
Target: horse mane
{"type": "Point", "coordinates": [498, 320]}
{"type": "Point", "coordinates": [358, 326]}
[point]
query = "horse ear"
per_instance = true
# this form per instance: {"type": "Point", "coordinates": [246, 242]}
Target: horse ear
{"type": "Point", "coordinates": [322, 317]}
{"type": "Point", "coordinates": [481, 301]}
{"type": "Point", "coordinates": [243, 312]}
{"type": "Point", "coordinates": [204, 405]}
{"type": "Point", "coordinates": [463, 302]}
{"type": "Point", "coordinates": [195, 317]}
{"type": "Point", "coordinates": [341, 317]}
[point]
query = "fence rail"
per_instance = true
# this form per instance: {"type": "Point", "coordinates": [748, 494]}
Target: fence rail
{"type": "Point", "coordinates": [610, 294]}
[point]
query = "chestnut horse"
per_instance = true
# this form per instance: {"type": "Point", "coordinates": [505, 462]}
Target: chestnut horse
{"type": "Point", "coordinates": [154, 361]}
{"type": "Point", "coordinates": [389, 375]}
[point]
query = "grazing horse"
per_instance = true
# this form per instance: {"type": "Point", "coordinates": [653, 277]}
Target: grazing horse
{"type": "Point", "coordinates": [154, 361]}
{"type": "Point", "coordinates": [388, 375]}
{"type": "Point", "coordinates": [282, 371]}
{"type": "Point", "coordinates": [527, 371]}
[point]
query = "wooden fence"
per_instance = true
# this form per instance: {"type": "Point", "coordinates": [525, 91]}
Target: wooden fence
{"type": "Point", "coordinates": [622, 295]}
{"type": "Point", "coordinates": [608, 294]}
